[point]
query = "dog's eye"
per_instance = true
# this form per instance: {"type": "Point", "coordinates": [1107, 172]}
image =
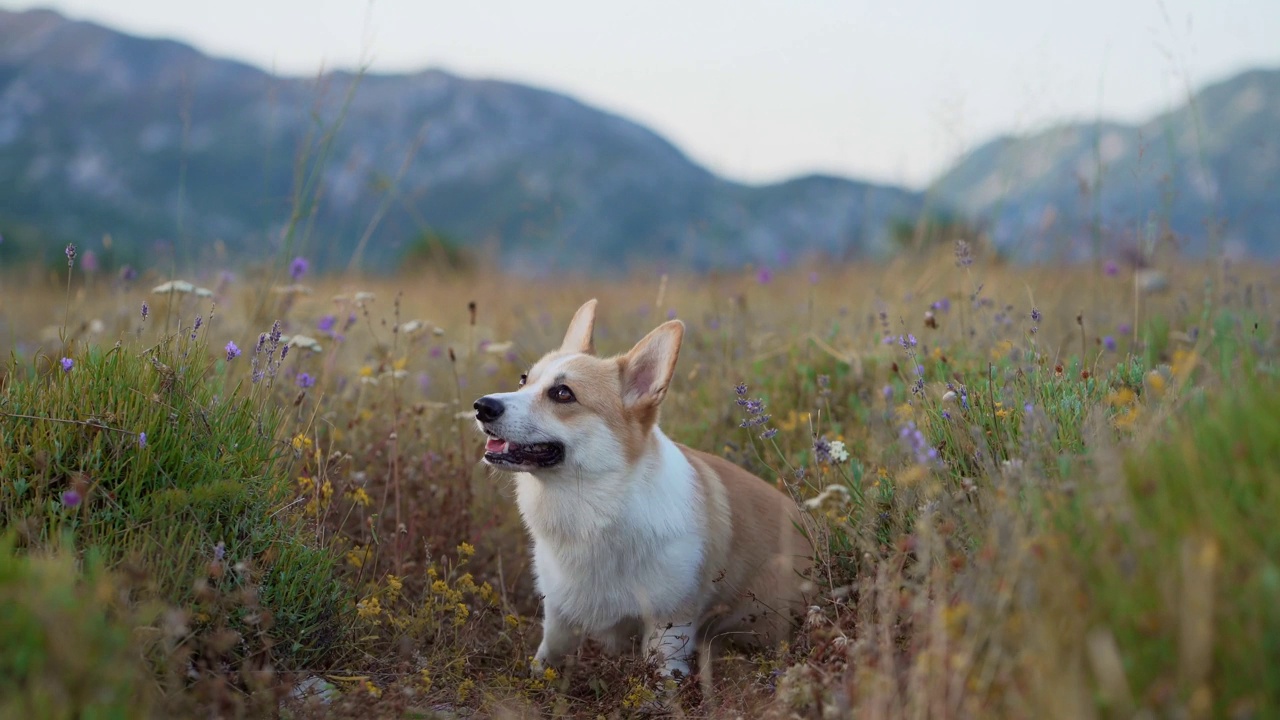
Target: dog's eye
{"type": "Point", "coordinates": [524, 378]}
{"type": "Point", "coordinates": [561, 394]}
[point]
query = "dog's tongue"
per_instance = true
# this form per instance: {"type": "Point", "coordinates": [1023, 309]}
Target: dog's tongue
{"type": "Point", "coordinates": [495, 445]}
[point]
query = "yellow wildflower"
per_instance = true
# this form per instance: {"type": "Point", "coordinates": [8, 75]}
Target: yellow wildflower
{"type": "Point", "coordinates": [394, 584]}
{"type": "Point", "coordinates": [460, 614]}
{"type": "Point", "coordinates": [512, 621]}
{"type": "Point", "coordinates": [400, 364]}
{"type": "Point", "coordinates": [426, 680]}
{"type": "Point", "coordinates": [464, 689]}
{"type": "Point", "coordinates": [357, 556]}
{"type": "Point", "coordinates": [465, 551]}
{"type": "Point", "coordinates": [301, 441]}
{"type": "Point", "coordinates": [360, 497]}
{"type": "Point", "coordinates": [1121, 397]}
{"type": "Point", "coordinates": [1001, 350]}
{"type": "Point", "coordinates": [369, 607]}
{"type": "Point", "coordinates": [550, 674]}
{"type": "Point", "coordinates": [366, 371]}
{"type": "Point", "coordinates": [372, 689]}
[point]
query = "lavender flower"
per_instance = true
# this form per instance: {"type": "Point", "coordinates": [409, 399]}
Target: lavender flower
{"type": "Point", "coordinates": [943, 305]}
{"type": "Point", "coordinates": [146, 310]}
{"type": "Point", "coordinates": [768, 434]}
{"type": "Point", "coordinates": [305, 381]}
{"type": "Point", "coordinates": [128, 274]}
{"type": "Point", "coordinates": [916, 442]}
{"type": "Point", "coordinates": [67, 364]}
{"type": "Point", "coordinates": [233, 352]}
{"type": "Point", "coordinates": [326, 324]}
{"type": "Point", "coordinates": [142, 440]}
{"type": "Point", "coordinates": [298, 268]}
{"type": "Point", "coordinates": [964, 254]}
{"type": "Point", "coordinates": [822, 449]}
{"type": "Point", "coordinates": [1109, 343]}
{"type": "Point", "coordinates": [71, 254]}
{"type": "Point", "coordinates": [71, 498]}
{"type": "Point", "coordinates": [1035, 315]}
{"type": "Point", "coordinates": [671, 314]}
{"type": "Point", "coordinates": [219, 551]}
{"type": "Point", "coordinates": [1111, 269]}
{"type": "Point", "coordinates": [764, 276]}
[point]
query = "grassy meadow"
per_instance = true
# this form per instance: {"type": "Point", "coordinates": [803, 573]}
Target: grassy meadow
{"type": "Point", "coordinates": [1033, 492]}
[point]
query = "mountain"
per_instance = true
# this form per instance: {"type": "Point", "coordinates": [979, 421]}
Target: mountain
{"type": "Point", "coordinates": [1206, 174]}
{"type": "Point", "coordinates": [171, 151]}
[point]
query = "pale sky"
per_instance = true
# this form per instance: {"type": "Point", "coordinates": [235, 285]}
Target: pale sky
{"type": "Point", "coordinates": [757, 91]}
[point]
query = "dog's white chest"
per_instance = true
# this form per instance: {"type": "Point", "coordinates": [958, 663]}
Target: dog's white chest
{"type": "Point", "coordinates": [605, 552]}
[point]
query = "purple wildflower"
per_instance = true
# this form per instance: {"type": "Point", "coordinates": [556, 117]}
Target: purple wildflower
{"type": "Point", "coordinates": [146, 310]}
{"type": "Point", "coordinates": [327, 323]}
{"type": "Point", "coordinates": [233, 352]}
{"type": "Point", "coordinates": [71, 254]}
{"type": "Point", "coordinates": [964, 254]}
{"type": "Point", "coordinates": [219, 551]}
{"type": "Point", "coordinates": [1035, 315]}
{"type": "Point", "coordinates": [128, 274]}
{"type": "Point", "coordinates": [71, 498]}
{"type": "Point", "coordinates": [764, 276]}
{"type": "Point", "coordinates": [768, 434]}
{"type": "Point", "coordinates": [1111, 269]}
{"type": "Point", "coordinates": [1124, 329]}
{"type": "Point", "coordinates": [298, 268]}
{"type": "Point", "coordinates": [1109, 343]}
{"type": "Point", "coordinates": [305, 380]}
{"type": "Point", "coordinates": [822, 449]}
{"type": "Point", "coordinates": [943, 305]}
{"type": "Point", "coordinates": [142, 440]}
{"type": "Point", "coordinates": [67, 364]}
{"type": "Point", "coordinates": [671, 314]}
{"type": "Point", "coordinates": [89, 263]}
{"type": "Point", "coordinates": [887, 392]}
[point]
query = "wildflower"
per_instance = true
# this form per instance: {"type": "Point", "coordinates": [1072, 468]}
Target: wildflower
{"type": "Point", "coordinates": [394, 584]}
{"type": "Point", "coordinates": [305, 380]}
{"type": "Point", "coordinates": [233, 352]}
{"type": "Point", "coordinates": [142, 440]}
{"type": "Point", "coordinates": [1110, 269]}
{"type": "Point", "coordinates": [326, 323]}
{"type": "Point", "coordinates": [466, 550]}
{"type": "Point", "coordinates": [195, 328]}
{"type": "Point", "coordinates": [1109, 343]}
{"type": "Point", "coordinates": [887, 393]}
{"type": "Point", "coordinates": [146, 310]}
{"type": "Point", "coordinates": [89, 263]}
{"type": "Point", "coordinates": [298, 268]}
{"type": "Point", "coordinates": [964, 254]}
{"type": "Point", "coordinates": [764, 276]}
{"type": "Point", "coordinates": [360, 497]}
{"type": "Point", "coordinates": [907, 342]}
{"type": "Point", "coordinates": [1124, 329]}
{"type": "Point", "coordinates": [768, 434]}
{"type": "Point", "coordinates": [919, 446]}
{"type": "Point", "coordinates": [67, 364]}
{"type": "Point", "coordinates": [370, 607]}
{"type": "Point", "coordinates": [943, 305]}
{"type": "Point", "coordinates": [1035, 315]}
{"type": "Point", "coordinates": [70, 498]}
{"type": "Point", "coordinates": [822, 449]}
{"type": "Point", "coordinates": [71, 254]}
{"type": "Point", "coordinates": [838, 452]}
{"type": "Point", "coordinates": [219, 551]}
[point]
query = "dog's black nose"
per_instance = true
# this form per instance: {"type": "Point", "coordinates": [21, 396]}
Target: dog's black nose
{"type": "Point", "coordinates": [488, 409]}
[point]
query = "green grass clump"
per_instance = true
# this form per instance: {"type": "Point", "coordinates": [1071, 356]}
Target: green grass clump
{"type": "Point", "coordinates": [199, 504]}
{"type": "Point", "coordinates": [1183, 568]}
{"type": "Point", "coordinates": [67, 652]}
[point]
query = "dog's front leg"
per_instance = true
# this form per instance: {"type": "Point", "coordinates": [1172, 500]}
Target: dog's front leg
{"type": "Point", "coordinates": [559, 638]}
{"type": "Point", "coordinates": [675, 646]}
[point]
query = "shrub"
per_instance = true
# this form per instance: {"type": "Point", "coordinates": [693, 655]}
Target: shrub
{"type": "Point", "coordinates": [67, 651]}
{"type": "Point", "coordinates": [155, 460]}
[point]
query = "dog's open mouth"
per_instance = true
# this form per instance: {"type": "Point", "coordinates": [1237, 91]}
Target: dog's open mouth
{"type": "Point", "coordinates": [498, 451]}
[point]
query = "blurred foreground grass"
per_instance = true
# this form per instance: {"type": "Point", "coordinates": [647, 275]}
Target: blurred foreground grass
{"type": "Point", "coordinates": [1040, 492]}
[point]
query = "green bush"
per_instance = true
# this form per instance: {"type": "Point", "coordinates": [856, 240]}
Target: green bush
{"type": "Point", "coordinates": [67, 654]}
{"type": "Point", "coordinates": [198, 504]}
{"type": "Point", "coordinates": [1183, 569]}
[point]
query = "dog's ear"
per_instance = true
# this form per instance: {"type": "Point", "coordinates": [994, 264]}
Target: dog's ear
{"type": "Point", "coordinates": [578, 338]}
{"type": "Point", "coordinates": [648, 367]}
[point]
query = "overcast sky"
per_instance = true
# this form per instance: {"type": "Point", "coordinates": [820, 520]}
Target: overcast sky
{"type": "Point", "coordinates": [887, 91]}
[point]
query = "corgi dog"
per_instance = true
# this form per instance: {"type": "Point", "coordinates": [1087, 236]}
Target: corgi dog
{"type": "Point", "coordinates": [636, 537]}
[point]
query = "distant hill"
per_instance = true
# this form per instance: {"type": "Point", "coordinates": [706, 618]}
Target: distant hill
{"type": "Point", "coordinates": [1209, 169]}
{"type": "Point", "coordinates": [169, 150]}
